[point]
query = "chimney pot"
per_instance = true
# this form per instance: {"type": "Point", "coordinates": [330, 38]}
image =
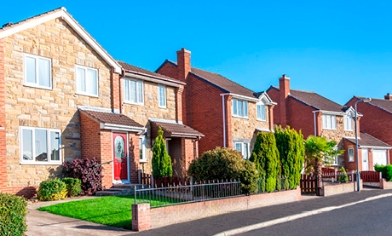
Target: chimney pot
{"type": "Point", "coordinates": [388, 97]}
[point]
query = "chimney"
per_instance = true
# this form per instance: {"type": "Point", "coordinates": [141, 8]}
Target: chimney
{"type": "Point", "coordinates": [388, 97]}
{"type": "Point", "coordinates": [284, 91]}
{"type": "Point", "coordinates": [183, 63]}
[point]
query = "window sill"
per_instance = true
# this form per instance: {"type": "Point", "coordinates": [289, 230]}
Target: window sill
{"type": "Point", "coordinates": [143, 161]}
{"type": "Point", "coordinates": [37, 86]}
{"type": "Point", "coordinates": [329, 129]}
{"type": "Point", "coordinates": [41, 163]}
{"type": "Point", "coordinates": [241, 117]}
{"type": "Point", "coordinates": [133, 103]}
{"type": "Point", "coordinates": [261, 120]}
{"type": "Point", "coordinates": [86, 94]}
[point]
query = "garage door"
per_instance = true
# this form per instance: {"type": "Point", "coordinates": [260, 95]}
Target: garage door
{"type": "Point", "coordinates": [379, 157]}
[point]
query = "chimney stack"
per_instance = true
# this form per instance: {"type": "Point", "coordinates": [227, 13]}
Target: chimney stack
{"type": "Point", "coordinates": [183, 63]}
{"type": "Point", "coordinates": [388, 97]}
{"type": "Point", "coordinates": [284, 91]}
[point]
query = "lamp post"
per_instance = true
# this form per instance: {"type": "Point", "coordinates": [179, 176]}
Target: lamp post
{"type": "Point", "coordinates": [356, 138]}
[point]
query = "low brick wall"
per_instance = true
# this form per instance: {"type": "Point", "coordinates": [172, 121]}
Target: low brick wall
{"type": "Point", "coordinates": [334, 189]}
{"type": "Point", "coordinates": [185, 212]}
{"type": "Point", "coordinates": [385, 184]}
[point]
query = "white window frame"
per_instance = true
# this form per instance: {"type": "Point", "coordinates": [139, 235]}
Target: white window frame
{"type": "Point", "coordinates": [48, 144]}
{"type": "Point", "coordinates": [329, 122]}
{"type": "Point", "coordinates": [350, 155]}
{"type": "Point", "coordinates": [259, 116]}
{"type": "Point", "coordinates": [142, 148]}
{"type": "Point", "coordinates": [239, 108]}
{"type": "Point", "coordinates": [348, 123]}
{"type": "Point", "coordinates": [162, 96]}
{"type": "Point", "coordinates": [36, 84]}
{"type": "Point", "coordinates": [244, 149]}
{"type": "Point", "coordinates": [78, 90]}
{"type": "Point", "coordinates": [138, 95]}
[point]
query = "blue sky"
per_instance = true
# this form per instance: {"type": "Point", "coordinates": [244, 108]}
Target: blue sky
{"type": "Point", "coordinates": [335, 48]}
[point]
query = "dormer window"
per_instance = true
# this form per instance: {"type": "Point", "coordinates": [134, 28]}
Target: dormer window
{"type": "Point", "coordinates": [329, 121]}
{"type": "Point", "coordinates": [240, 108]}
{"type": "Point", "coordinates": [348, 123]}
{"type": "Point", "coordinates": [260, 112]}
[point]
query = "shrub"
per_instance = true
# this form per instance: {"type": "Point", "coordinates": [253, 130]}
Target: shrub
{"type": "Point", "coordinates": [73, 186]}
{"type": "Point", "coordinates": [51, 190]}
{"type": "Point", "coordinates": [386, 171]}
{"type": "Point", "coordinates": [343, 177]}
{"type": "Point", "coordinates": [89, 171]}
{"type": "Point", "coordinates": [225, 164]}
{"type": "Point", "coordinates": [12, 214]}
{"type": "Point", "coordinates": [161, 161]}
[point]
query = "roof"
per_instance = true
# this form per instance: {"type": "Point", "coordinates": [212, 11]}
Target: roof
{"type": "Point", "coordinates": [367, 140]}
{"type": "Point", "coordinates": [381, 103]}
{"type": "Point", "coordinates": [12, 28]}
{"type": "Point", "coordinates": [315, 100]}
{"type": "Point", "coordinates": [173, 129]}
{"type": "Point", "coordinates": [140, 71]}
{"type": "Point", "coordinates": [110, 118]}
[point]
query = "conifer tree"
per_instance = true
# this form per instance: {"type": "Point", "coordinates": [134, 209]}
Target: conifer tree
{"type": "Point", "coordinates": [161, 161]}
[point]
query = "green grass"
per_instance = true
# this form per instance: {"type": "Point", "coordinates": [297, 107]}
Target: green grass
{"type": "Point", "coordinates": [113, 210]}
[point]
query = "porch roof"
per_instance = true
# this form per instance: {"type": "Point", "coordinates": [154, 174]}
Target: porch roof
{"type": "Point", "coordinates": [175, 130]}
{"type": "Point", "coordinates": [366, 140]}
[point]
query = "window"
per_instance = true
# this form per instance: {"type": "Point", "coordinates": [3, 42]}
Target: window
{"type": "Point", "coordinates": [242, 148]}
{"type": "Point", "coordinates": [40, 145]}
{"type": "Point", "coordinates": [260, 111]}
{"type": "Point", "coordinates": [142, 148]}
{"type": "Point", "coordinates": [133, 91]}
{"type": "Point", "coordinates": [86, 81]}
{"type": "Point", "coordinates": [37, 71]}
{"type": "Point", "coordinates": [162, 96]}
{"type": "Point", "coordinates": [329, 121]}
{"type": "Point", "coordinates": [351, 154]}
{"type": "Point", "coordinates": [348, 123]}
{"type": "Point", "coordinates": [240, 108]}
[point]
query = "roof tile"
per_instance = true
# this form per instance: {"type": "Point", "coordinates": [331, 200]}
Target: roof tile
{"type": "Point", "coordinates": [368, 140]}
{"type": "Point", "coordinates": [112, 118]}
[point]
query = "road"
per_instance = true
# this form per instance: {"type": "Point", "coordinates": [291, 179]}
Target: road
{"type": "Point", "coordinates": [355, 214]}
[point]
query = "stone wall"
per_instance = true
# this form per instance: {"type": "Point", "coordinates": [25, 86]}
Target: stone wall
{"type": "Point", "coordinates": [54, 108]}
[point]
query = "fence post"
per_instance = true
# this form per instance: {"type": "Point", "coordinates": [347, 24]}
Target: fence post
{"type": "Point", "coordinates": [152, 181]}
{"type": "Point", "coordinates": [191, 187]}
{"type": "Point", "coordinates": [139, 176]}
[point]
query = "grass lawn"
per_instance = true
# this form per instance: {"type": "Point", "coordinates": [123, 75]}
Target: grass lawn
{"type": "Point", "coordinates": [113, 210]}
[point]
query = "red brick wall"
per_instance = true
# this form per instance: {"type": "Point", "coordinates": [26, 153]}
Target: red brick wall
{"type": "Point", "coordinates": [90, 137]}
{"type": "Point", "coordinates": [375, 122]}
{"type": "Point", "coordinates": [3, 166]}
{"type": "Point", "coordinates": [300, 117]}
{"type": "Point", "coordinates": [134, 156]}
{"type": "Point", "coordinates": [274, 95]}
{"type": "Point", "coordinates": [189, 151]}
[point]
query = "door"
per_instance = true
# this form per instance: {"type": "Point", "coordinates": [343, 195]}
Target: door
{"type": "Point", "coordinates": [380, 157]}
{"type": "Point", "coordinates": [120, 158]}
{"type": "Point", "coordinates": [365, 163]}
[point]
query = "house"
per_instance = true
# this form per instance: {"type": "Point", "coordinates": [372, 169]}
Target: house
{"type": "Point", "coordinates": [316, 115]}
{"type": "Point", "coordinates": [377, 115]}
{"type": "Point", "coordinates": [228, 114]}
{"type": "Point", "coordinates": [62, 96]}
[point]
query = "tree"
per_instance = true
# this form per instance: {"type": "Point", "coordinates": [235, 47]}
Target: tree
{"type": "Point", "coordinates": [318, 150]}
{"type": "Point", "coordinates": [265, 155]}
{"type": "Point", "coordinates": [290, 144]}
{"type": "Point", "coordinates": [161, 161]}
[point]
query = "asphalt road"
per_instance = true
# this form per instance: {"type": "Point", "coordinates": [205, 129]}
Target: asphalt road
{"type": "Point", "coordinates": [367, 218]}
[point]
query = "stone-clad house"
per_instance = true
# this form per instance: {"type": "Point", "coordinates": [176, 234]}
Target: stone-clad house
{"type": "Point", "coordinates": [316, 115]}
{"type": "Point", "coordinates": [228, 114]}
{"type": "Point", "coordinates": [62, 97]}
{"type": "Point", "coordinates": [376, 121]}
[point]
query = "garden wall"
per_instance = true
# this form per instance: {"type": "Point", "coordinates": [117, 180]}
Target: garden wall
{"type": "Point", "coordinates": [163, 216]}
{"type": "Point", "coordinates": [385, 184]}
{"type": "Point", "coordinates": [334, 189]}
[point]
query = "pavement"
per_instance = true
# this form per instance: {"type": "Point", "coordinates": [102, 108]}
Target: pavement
{"type": "Point", "coordinates": [43, 223]}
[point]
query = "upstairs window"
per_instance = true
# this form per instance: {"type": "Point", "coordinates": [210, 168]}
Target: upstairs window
{"type": "Point", "coordinates": [37, 71]}
{"type": "Point", "coordinates": [133, 91]}
{"type": "Point", "coordinates": [242, 148]}
{"type": "Point", "coordinates": [260, 112]}
{"type": "Point", "coordinates": [329, 121]}
{"type": "Point", "coordinates": [162, 96]}
{"type": "Point", "coordinates": [86, 81]}
{"type": "Point", "coordinates": [40, 145]}
{"type": "Point", "coordinates": [348, 123]}
{"type": "Point", "coordinates": [240, 108]}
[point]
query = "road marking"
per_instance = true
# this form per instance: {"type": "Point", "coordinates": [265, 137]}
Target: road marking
{"type": "Point", "coordinates": [295, 217]}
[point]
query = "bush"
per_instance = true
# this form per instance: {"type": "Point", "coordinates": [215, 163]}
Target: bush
{"type": "Point", "coordinates": [161, 161]}
{"type": "Point", "coordinates": [89, 171]}
{"type": "Point", "coordinates": [51, 190]}
{"type": "Point", "coordinates": [343, 177]}
{"type": "Point", "coordinates": [12, 214]}
{"type": "Point", "coordinates": [224, 164]}
{"type": "Point", "coordinates": [386, 171]}
{"type": "Point", "coordinates": [73, 186]}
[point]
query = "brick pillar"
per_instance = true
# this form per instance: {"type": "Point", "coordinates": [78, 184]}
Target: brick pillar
{"type": "Point", "coordinates": [141, 217]}
{"type": "Point", "coordinates": [229, 138]}
{"type": "Point", "coordinates": [271, 117]}
{"type": "Point", "coordinates": [134, 157]}
{"type": "Point", "coordinates": [115, 90]}
{"type": "Point", "coordinates": [179, 111]}
{"type": "Point", "coordinates": [183, 69]}
{"type": "Point", "coordinates": [106, 158]}
{"type": "Point", "coordinates": [3, 153]}
{"type": "Point", "coordinates": [284, 90]}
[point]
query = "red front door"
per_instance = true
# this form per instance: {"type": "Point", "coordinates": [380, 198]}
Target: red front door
{"type": "Point", "coordinates": [120, 157]}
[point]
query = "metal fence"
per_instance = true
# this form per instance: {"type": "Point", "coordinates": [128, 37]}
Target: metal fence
{"type": "Point", "coordinates": [195, 192]}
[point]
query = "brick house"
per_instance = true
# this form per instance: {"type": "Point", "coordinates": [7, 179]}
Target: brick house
{"type": "Point", "coordinates": [61, 98]}
{"type": "Point", "coordinates": [316, 115]}
{"type": "Point", "coordinates": [377, 115]}
{"type": "Point", "coordinates": [228, 114]}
